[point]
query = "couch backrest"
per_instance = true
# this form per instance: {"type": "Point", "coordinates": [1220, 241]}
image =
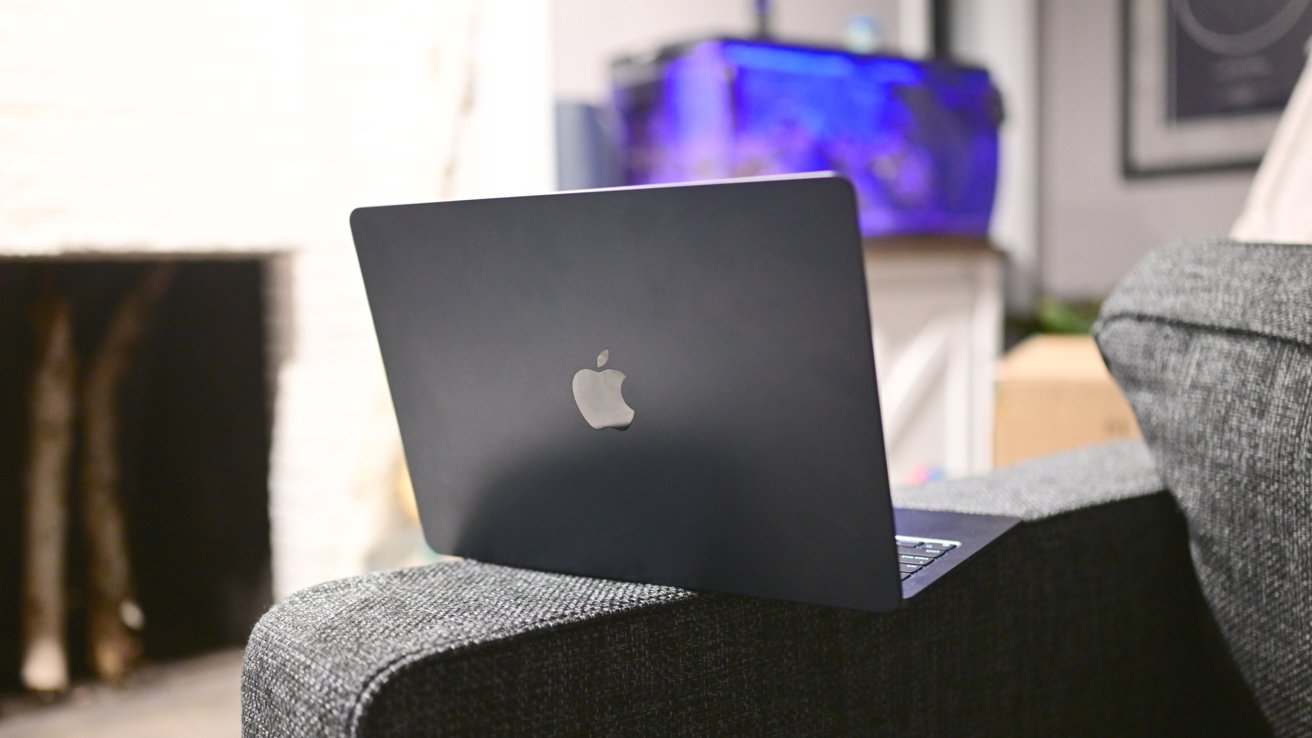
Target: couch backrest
{"type": "Point", "coordinates": [1212, 343]}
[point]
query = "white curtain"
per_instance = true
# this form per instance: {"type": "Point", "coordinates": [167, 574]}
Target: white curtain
{"type": "Point", "coordinates": [1279, 206]}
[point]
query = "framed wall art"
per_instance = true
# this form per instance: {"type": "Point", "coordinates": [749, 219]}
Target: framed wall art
{"type": "Point", "coordinates": [1204, 81]}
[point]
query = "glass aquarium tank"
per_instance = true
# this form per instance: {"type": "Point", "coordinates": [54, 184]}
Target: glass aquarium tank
{"type": "Point", "coordinates": [918, 139]}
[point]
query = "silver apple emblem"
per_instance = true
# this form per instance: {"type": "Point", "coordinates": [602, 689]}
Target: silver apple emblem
{"type": "Point", "coordinates": [600, 398]}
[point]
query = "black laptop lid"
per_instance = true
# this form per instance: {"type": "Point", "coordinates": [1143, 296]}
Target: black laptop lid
{"type": "Point", "coordinates": [753, 462]}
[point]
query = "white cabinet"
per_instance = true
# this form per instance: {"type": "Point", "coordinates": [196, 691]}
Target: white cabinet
{"type": "Point", "coordinates": [936, 308]}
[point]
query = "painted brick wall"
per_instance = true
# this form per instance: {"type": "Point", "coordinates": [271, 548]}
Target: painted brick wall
{"type": "Point", "coordinates": [156, 126]}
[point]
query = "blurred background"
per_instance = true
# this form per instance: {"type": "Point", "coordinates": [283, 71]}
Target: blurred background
{"type": "Point", "coordinates": [193, 416]}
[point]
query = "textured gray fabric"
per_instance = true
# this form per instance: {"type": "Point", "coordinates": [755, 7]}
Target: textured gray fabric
{"type": "Point", "coordinates": [1212, 343]}
{"type": "Point", "coordinates": [336, 644]}
{"type": "Point", "coordinates": [1084, 623]}
{"type": "Point", "coordinates": [1043, 488]}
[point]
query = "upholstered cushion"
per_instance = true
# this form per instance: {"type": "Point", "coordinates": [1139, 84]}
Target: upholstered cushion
{"type": "Point", "coordinates": [1212, 343]}
{"type": "Point", "coordinates": [1084, 620]}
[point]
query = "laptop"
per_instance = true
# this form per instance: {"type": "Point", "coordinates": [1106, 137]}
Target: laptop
{"type": "Point", "coordinates": [663, 384]}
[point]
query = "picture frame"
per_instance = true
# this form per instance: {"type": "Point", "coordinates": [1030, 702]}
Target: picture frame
{"type": "Point", "coordinates": [1204, 81]}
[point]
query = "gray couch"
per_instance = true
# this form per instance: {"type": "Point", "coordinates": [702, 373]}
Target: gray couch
{"type": "Point", "coordinates": [1153, 588]}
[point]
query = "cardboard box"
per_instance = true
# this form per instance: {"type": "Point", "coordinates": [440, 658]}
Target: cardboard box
{"type": "Point", "coordinates": [1054, 394]}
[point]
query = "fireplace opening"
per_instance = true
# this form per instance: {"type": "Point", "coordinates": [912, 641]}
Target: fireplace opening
{"type": "Point", "coordinates": [191, 437]}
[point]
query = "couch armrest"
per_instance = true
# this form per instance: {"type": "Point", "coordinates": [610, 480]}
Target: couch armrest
{"type": "Point", "coordinates": [1045, 487]}
{"type": "Point", "coordinates": [1084, 620]}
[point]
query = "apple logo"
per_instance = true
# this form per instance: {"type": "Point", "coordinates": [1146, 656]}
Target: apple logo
{"type": "Point", "coordinates": [600, 398]}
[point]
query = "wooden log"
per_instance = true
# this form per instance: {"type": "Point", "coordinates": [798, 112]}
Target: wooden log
{"type": "Point", "coordinates": [114, 617]}
{"type": "Point", "coordinates": [54, 409]}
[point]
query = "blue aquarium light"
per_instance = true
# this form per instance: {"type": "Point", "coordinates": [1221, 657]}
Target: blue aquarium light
{"type": "Point", "coordinates": [918, 139]}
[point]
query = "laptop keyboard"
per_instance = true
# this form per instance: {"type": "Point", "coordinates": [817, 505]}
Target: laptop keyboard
{"type": "Point", "coordinates": [914, 554]}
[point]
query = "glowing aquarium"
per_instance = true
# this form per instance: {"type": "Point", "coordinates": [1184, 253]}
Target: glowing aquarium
{"type": "Point", "coordinates": [918, 139]}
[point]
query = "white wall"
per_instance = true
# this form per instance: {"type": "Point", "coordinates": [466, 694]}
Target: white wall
{"type": "Point", "coordinates": [587, 34]}
{"type": "Point", "coordinates": [1003, 37]}
{"type": "Point", "coordinates": [1094, 225]}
